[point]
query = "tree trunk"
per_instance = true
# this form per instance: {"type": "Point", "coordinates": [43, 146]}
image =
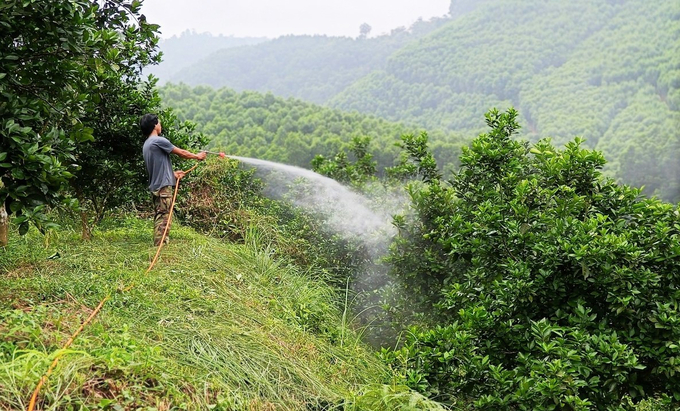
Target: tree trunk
{"type": "Point", "coordinates": [87, 231]}
{"type": "Point", "coordinates": [4, 226]}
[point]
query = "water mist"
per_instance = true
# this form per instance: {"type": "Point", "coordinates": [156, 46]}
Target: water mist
{"type": "Point", "coordinates": [347, 213]}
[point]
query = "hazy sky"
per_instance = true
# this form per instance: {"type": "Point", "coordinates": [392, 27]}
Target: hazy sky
{"type": "Point", "coordinates": [274, 18]}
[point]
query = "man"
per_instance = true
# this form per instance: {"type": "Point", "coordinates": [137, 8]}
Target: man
{"type": "Point", "coordinates": [162, 178]}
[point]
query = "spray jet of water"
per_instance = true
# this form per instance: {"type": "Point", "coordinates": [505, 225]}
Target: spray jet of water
{"type": "Point", "coordinates": [348, 214]}
{"type": "Point", "coordinates": [347, 210]}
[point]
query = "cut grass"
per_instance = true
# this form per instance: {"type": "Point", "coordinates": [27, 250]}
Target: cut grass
{"type": "Point", "coordinates": [212, 326]}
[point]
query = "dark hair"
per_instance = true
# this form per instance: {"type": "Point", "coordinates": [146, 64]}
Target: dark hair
{"type": "Point", "coordinates": [148, 123]}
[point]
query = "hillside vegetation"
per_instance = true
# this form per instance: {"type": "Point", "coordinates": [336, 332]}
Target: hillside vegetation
{"type": "Point", "coordinates": [290, 131]}
{"type": "Point", "coordinates": [313, 68]}
{"type": "Point", "coordinates": [608, 71]}
{"type": "Point", "coordinates": [189, 48]}
{"type": "Point", "coordinates": [546, 286]}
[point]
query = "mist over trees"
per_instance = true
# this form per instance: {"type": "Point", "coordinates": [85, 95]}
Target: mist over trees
{"type": "Point", "coordinates": [312, 68]}
{"type": "Point", "coordinates": [190, 47]}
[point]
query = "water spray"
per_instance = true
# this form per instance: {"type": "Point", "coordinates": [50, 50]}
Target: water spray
{"type": "Point", "coordinates": [346, 213]}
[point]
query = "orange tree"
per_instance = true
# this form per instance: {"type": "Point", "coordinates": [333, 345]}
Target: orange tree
{"type": "Point", "coordinates": [69, 74]}
{"type": "Point", "coordinates": [553, 287]}
{"type": "Point", "coordinates": [46, 47]}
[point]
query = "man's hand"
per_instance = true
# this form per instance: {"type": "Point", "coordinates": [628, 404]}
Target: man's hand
{"type": "Point", "coordinates": [179, 174]}
{"type": "Point", "coordinates": [201, 156]}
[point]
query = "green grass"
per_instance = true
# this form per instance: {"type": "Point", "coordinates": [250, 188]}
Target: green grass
{"type": "Point", "coordinates": [214, 326]}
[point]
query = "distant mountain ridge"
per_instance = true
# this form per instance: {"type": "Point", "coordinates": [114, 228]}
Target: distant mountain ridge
{"type": "Point", "coordinates": [312, 68]}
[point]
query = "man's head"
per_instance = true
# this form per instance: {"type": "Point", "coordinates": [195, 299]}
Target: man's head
{"type": "Point", "coordinates": [149, 123]}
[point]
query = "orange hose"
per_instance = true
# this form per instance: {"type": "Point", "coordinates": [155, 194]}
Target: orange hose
{"type": "Point", "coordinates": [53, 365]}
{"type": "Point", "coordinates": [43, 379]}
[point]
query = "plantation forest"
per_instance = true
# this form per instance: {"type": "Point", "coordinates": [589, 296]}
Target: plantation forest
{"type": "Point", "coordinates": [478, 211]}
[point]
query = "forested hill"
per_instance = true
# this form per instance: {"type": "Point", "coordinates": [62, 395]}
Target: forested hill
{"type": "Point", "coordinates": [569, 67]}
{"type": "Point", "coordinates": [313, 68]}
{"type": "Point", "coordinates": [190, 47]}
{"type": "Point", "coordinates": [291, 131]}
{"type": "Point", "coordinates": [608, 71]}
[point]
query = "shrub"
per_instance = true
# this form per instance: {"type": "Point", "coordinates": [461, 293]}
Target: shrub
{"type": "Point", "coordinates": [555, 288]}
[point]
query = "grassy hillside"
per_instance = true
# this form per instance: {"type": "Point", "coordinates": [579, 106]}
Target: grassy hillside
{"type": "Point", "coordinates": [214, 326]}
{"type": "Point", "coordinates": [263, 126]}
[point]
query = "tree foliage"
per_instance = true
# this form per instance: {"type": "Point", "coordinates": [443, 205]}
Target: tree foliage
{"type": "Point", "coordinates": [342, 169]}
{"type": "Point", "coordinates": [252, 124]}
{"type": "Point", "coordinates": [53, 50]}
{"type": "Point", "coordinates": [552, 286]}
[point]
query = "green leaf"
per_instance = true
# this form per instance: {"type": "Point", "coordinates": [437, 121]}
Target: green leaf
{"type": "Point", "coordinates": [23, 228]}
{"type": "Point", "coordinates": [18, 174]}
{"type": "Point", "coordinates": [15, 207]}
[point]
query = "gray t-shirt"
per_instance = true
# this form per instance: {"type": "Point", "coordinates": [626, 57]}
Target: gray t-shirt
{"type": "Point", "coordinates": [157, 158]}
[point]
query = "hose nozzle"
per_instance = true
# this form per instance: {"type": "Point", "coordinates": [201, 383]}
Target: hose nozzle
{"type": "Point", "coordinates": [221, 154]}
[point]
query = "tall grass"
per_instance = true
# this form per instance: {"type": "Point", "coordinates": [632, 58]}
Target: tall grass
{"type": "Point", "coordinates": [213, 326]}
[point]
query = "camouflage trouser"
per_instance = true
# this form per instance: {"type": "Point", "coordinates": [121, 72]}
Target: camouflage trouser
{"type": "Point", "coordinates": [162, 201]}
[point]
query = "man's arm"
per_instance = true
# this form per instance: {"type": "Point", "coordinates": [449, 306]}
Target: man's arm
{"type": "Point", "coordinates": [188, 154]}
